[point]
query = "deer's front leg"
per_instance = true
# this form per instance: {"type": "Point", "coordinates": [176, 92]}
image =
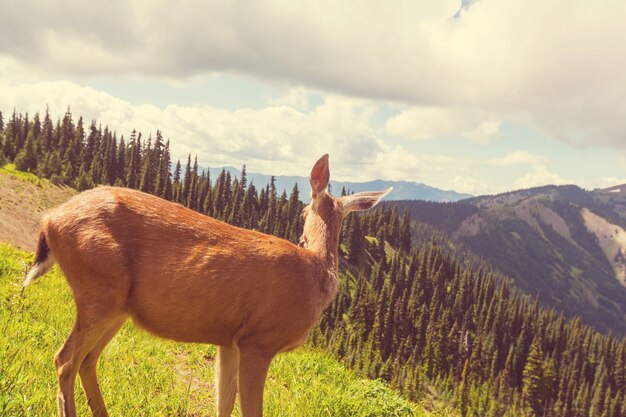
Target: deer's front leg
{"type": "Point", "coordinates": [253, 366]}
{"type": "Point", "coordinates": [227, 372]}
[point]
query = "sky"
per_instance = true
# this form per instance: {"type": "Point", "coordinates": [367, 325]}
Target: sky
{"type": "Point", "coordinates": [478, 96]}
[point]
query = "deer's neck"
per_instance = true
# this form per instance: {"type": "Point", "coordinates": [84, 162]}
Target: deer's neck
{"type": "Point", "coordinates": [325, 244]}
{"type": "Point", "coordinates": [321, 233]}
{"type": "Point", "coordinates": [326, 247]}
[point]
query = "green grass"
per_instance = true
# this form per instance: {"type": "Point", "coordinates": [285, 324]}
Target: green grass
{"type": "Point", "coordinates": [141, 375]}
{"type": "Point", "coordinates": [9, 169]}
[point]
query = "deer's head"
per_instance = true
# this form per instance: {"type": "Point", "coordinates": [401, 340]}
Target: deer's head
{"type": "Point", "coordinates": [323, 215]}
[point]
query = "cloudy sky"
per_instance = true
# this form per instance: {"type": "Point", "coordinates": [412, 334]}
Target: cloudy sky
{"type": "Point", "coordinates": [477, 96]}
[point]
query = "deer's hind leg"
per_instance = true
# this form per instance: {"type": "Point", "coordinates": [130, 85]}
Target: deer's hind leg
{"type": "Point", "coordinates": [87, 370]}
{"type": "Point", "coordinates": [87, 331]}
{"type": "Point", "coordinates": [100, 283]}
{"type": "Point", "coordinates": [99, 314]}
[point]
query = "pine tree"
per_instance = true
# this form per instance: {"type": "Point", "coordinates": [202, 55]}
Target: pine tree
{"type": "Point", "coordinates": [163, 185]}
{"type": "Point", "coordinates": [599, 390]}
{"type": "Point", "coordinates": [110, 159]}
{"type": "Point", "coordinates": [464, 390]}
{"type": "Point", "coordinates": [405, 231]}
{"type": "Point", "coordinates": [268, 221]}
{"type": "Point", "coordinates": [176, 185]}
{"type": "Point", "coordinates": [95, 173]}
{"type": "Point", "coordinates": [147, 178]}
{"type": "Point", "coordinates": [218, 195]}
{"type": "Point", "coordinates": [243, 183]}
{"type": "Point", "coordinates": [120, 169]}
{"type": "Point", "coordinates": [91, 145]}
{"type": "Point", "coordinates": [22, 132]}
{"type": "Point", "coordinates": [47, 134]}
{"type": "Point", "coordinates": [187, 179]}
{"type": "Point", "coordinates": [83, 181]}
{"type": "Point", "coordinates": [548, 382]}
{"type": "Point", "coordinates": [146, 183]}
{"type": "Point", "coordinates": [133, 161]}
{"type": "Point", "coordinates": [36, 133]}
{"type": "Point", "coordinates": [394, 227]}
{"type": "Point", "coordinates": [191, 199]}
{"type": "Point", "coordinates": [532, 383]}
{"type": "Point", "coordinates": [356, 240]}
{"type": "Point", "coordinates": [581, 402]}
{"type": "Point", "coordinates": [294, 207]}
{"type": "Point", "coordinates": [26, 159]}
{"type": "Point", "coordinates": [67, 148]}
{"type": "Point", "coordinates": [381, 254]}
{"type": "Point", "coordinates": [10, 136]}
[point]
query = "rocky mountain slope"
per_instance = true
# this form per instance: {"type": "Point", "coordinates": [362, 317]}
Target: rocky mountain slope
{"type": "Point", "coordinates": [563, 244]}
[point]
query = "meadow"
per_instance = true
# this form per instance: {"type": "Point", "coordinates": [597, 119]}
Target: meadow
{"type": "Point", "coordinates": [142, 375]}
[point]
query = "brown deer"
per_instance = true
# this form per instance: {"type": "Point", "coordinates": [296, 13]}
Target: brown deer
{"type": "Point", "coordinates": [188, 277]}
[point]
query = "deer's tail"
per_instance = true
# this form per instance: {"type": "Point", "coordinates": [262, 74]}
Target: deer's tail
{"type": "Point", "coordinates": [43, 261]}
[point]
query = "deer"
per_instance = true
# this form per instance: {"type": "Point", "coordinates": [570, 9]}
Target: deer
{"type": "Point", "coordinates": [185, 276]}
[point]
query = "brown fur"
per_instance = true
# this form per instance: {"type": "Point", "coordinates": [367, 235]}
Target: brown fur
{"type": "Point", "coordinates": [184, 276]}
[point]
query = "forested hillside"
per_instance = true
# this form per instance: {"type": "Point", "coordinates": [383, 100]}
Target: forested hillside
{"type": "Point", "coordinates": [430, 323]}
{"type": "Point", "coordinates": [563, 244]}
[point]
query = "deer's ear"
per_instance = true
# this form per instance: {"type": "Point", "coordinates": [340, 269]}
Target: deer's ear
{"type": "Point", "coordinates": [320, 175]}
{"type": "Point", "coordinates": [363, 201]}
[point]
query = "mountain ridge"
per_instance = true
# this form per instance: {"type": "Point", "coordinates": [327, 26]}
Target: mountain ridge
{"type": "Point", "coordinates": [402, 190]}
{"type": "Point", "coordinates": [563, 244]}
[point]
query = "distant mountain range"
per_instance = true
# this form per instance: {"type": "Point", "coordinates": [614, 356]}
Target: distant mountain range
{"type": "Point", "coordinates": [563, 244]}
{"type": "Point", "coordinates": [402, 190]}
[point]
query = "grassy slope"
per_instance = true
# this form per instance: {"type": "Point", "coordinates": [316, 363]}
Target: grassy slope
{"type": "Point", "coordinates": [141, 375]}
{"type": "Point", "coordinates": [23, 199]}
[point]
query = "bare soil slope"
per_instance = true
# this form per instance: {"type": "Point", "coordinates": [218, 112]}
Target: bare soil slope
{"type": "Point", "coordinates": [612, 241]}
{"type": "Point", "coordinates": [23, 200]}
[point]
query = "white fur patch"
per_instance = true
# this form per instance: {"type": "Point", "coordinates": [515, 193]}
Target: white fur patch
{"type": "Point", "coordinates": [37, 270]}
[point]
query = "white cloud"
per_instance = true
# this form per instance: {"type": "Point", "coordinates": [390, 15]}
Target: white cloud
{"type": "Point", "coordinates": [298, 98]}
{"type": "Point", "coordinates": [604, 182]}
{"type": "Point", "coordinates": [424, 123]}
{"type": "Point", "coordinates": [558, 65]}
{"type": "Point", "coordinates": [470, 185]}
{"type": "Point", "coordinates": [621, 159]}
{"type": "Point", "coordinates": [277, 139]}
{"type": "Point", "coordinates": [539, 175]}
{"type": "Point", "coordinates": [518, 158]}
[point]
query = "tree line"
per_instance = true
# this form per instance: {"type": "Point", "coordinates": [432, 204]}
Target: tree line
{"type": "Point", "coordinates": [409, 309]}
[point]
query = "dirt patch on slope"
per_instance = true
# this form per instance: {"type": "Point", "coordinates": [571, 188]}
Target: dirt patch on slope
{"type": "Point", "coordinates": [531, 211]}
{"type": "Point", "coordinates": [471, 226]}
{"type": "Point", "coordinates": [24, 198]}
{"type": "Point", "coordinates": [612, 240]}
